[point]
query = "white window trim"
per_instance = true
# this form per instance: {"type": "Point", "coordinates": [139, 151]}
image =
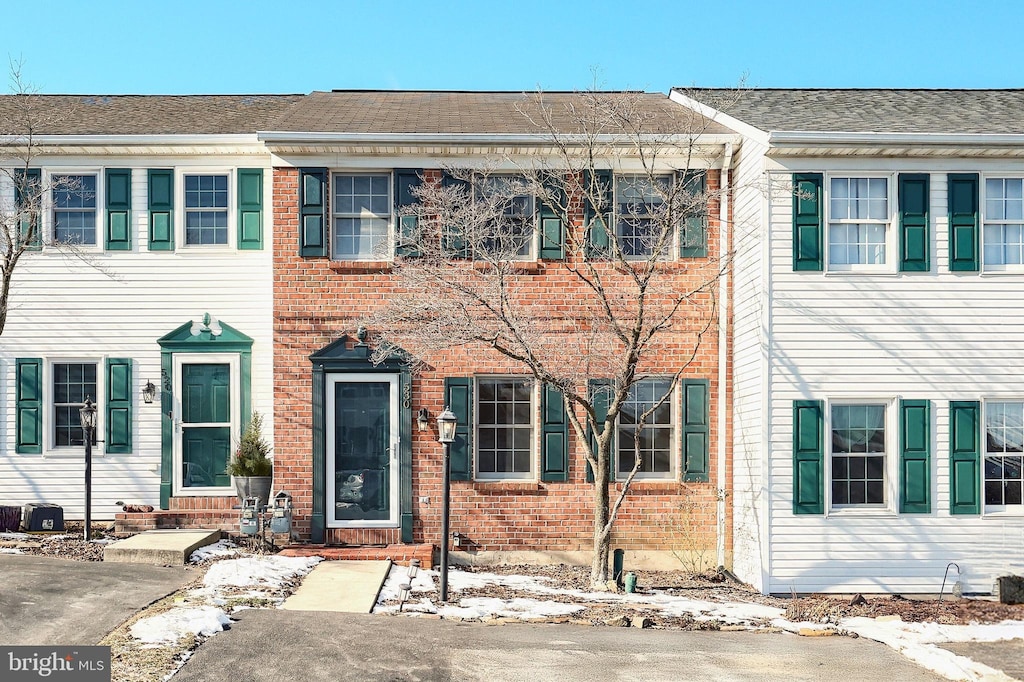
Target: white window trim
{"type": "Point", "coordinates": [994, 510]}
{"type": "Point", "coordinates": [48, 225]}
{"type": "Point", "coordinates": [392, 239]}
{"type": "Point", "coordinates": [233, 360]}
{"type": "Point", "coordinates": [891, 238]}
{"type": "Point", "coordinates": [674, 248]}
{"type": "Point", "coordinates": [535, 450]}
{"type": "Point", "coordinates": [51, 450]}
{"type": "Point", "coordinates": [675, 445]}
{"type": "Point", "coordinates": [179, 210]}
{"type": "Point", "coordinates": [986, 268]}
{"type": "Point", "coordinates": [891, 488]}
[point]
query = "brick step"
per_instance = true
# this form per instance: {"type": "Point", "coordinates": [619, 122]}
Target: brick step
{"type": "Point", "coordinates": [398, 553]}
{"type": "Point", "coordinates": [212, 519]}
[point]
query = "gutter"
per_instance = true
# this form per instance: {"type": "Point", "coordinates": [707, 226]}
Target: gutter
{"type": "Point", "coordinates": [797, 137]}
{"type": "Point", "coordinates": [109, 140]}
{"type": "Point", "coordinates": [723, 347]}
{"type": "Point", "coordinates": [490, 139]}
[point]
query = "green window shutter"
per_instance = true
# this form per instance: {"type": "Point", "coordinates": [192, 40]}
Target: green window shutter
{"type": "Point", "coordinates": [161, 209]}
{"type": "Point", "coordinates": [598, 224]}
{"type": "Point", "coordinates": [808, 231]}
{"type": "Point", "coordinates": [119, 405]}
{"type": "Point", "coordinates": [250, 209]}
{"type": "Point", "coordinates": [600, 398]}
{"type": "Point", "coordinates": [915, 456]}
{"type": "Point", "coordinates": [29, 181]}
{"type": "Point", "coordinates": [458, 397]}
{"type": "Point", "coordinates": [963, 222]}
{"type": "Point", "coordinates": [964, 457]}
{"type": "Point", "coordinates": [118, 233]}
{"type": "Point", "coordinates": [915, 243]}
{"type": "Point", "coordinates": [29, 406]}
{"type": "Point", "coordinates": [695, 434]}
{"type": "Point", "coordinates": [453, 243]}
{"type": "Point", "coordinates": [808, 457]}
{"type": "Point", "coordinates": [312, 212]}
{"type": "Point", "coordinates": [406, 181]}
{"type": "Point", "coordinates": [693, 240]}
{"type": "Point", "coordinates": [552, 230]}
{"type": "Point", "coordinates": [554, 439]}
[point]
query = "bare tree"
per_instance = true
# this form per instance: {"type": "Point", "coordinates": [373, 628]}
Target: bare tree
{"type": "Point", "coordinates": [24, 117]}
{"type": "Point", "coordinates": [625, 299]}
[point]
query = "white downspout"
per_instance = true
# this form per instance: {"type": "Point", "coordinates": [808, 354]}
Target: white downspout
{"type": "Point", "coordinates": [723, 346]}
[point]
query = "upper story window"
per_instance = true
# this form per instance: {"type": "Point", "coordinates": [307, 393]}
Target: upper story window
{"type": "Point", "coordinates": [361, 206]}
{"type": "Point", "coordinates": [638, 199]}
{"type": "Point", "coordinates": [859, 222]}
{"type": "Point", "coordinates": [858, 455]}
{"type": "Point", "coordinates": [653, 444]}
{"type": "Point", "coordinates": [504, 427]}
{"type": "Point", "coordinates": [74, 208]}
{"type": "Point", "coordinates": [206, 209]}
{"type": "Point", "coordinates": [1004, 454]}
{"type": "Point", "coordinates": [73, 382]}
{"type": "Point", "coordinates": [1003, 234]}
{"type": "Point", "coordinates": [511, 227]}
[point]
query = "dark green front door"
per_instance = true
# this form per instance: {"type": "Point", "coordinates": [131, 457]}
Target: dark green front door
{"type": "Point", "coordinates": [205, 424]}
{"type": "Point", "coordinates": [362, 451]}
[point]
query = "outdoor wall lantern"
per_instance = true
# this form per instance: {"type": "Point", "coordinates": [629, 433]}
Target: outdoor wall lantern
{"type": "Point", "coordinates": [87, 415]}
{"type": "Point", "coordinates": [148, 392]}
{"type": "Point", "coordinates": [446, 423]}
{"type": "Point", "coordinates": [423, 419]}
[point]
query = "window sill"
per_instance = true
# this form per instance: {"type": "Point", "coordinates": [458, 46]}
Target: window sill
{"type": "Point", "coordinates": [866, 512]}
{"type": "Point", "coordinates": [74, 453]}
{"type": "Point", "coordinates": [360, 265]}
{"type": "Point", "coordinates": [498, 487]}
{"type": "Point", "coordinates": [527, 267]}
{"type": "Point", "coordinates": [867, 273]}
{"type": "Point", "coordinates": [1004, 513]}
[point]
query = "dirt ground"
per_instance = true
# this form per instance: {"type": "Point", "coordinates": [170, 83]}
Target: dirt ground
{"type": "Point", "coordinates": [709, 587]}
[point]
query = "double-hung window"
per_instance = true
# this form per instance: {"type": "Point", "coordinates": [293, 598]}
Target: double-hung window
{"type": "Point", "coordinates": [509, 222]}
{"type": "Point", "coordinates": [504, 427]}
{"type": "Point", "coordinates": [646, 430]}
{"type": "Point", "coordinates": [638, 202]}
{"type": "Point", "coordinates": [858, 455]}
{"type": "Point", "coordinates": [1003, 234]}
{"type": "Point", "coordinates": [859, 223]}
{"type": "Point", "coordinates": [74, 209]}
{"type": "Point", "coordinates": [73, 382]}
{"type": "Point", "coordinates": [206, 209]}
{"type": "Point", "coordinates": [1004, 455]}
{"type": "Point", "coordinates": [361, 208]}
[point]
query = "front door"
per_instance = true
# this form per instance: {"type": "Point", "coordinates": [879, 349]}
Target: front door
{"type": "Point", "coordinates": [206, 423]}
{"type": "Point", "coordinates": [362, 450]}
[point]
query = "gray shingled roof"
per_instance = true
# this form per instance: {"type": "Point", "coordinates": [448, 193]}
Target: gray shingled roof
{"type": "Point", "coordinates": [385, 112]}
{"type": "Point", "coordinates": [873, 110]}
{"type": "Point", "coordinates": [143, 114]}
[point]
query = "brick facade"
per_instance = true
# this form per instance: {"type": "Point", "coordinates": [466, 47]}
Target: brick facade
{"type": "Point", "coordinates": [317, 300]}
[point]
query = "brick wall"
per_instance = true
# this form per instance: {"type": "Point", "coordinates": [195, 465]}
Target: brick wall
{"type": "Point", "coordinates": [316, 301]}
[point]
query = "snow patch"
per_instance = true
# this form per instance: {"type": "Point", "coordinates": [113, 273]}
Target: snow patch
{"type": "Point", "coordinates": [171, 626]}
{"type": "Point", "coordinates": [266, 571]}
{"type": "Point", "coordinates": [221, 548]}
{"type": "Point", "coordinates": [11, 550]}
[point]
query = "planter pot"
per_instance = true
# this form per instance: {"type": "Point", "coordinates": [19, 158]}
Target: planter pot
{"type": "Point", "coordinates": [10, 518]}
{"type": "Point", "coordinates": [253, 486]}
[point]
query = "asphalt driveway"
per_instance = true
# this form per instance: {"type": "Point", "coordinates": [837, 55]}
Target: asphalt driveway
{"type": "Point", "coordinates": [60, 602]}
{"type": "Point", "coordinates": [290, 645]}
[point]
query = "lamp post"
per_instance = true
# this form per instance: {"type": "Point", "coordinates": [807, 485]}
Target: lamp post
{"type": "Point", "coordinates": [446, 422]}
{"type": "Point", "coordinates": [88, 416]}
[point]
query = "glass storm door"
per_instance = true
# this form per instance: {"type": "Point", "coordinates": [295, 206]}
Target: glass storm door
{"type": "Point", "coordinates": [362, 450]}
{"type": "Point", "coordinates": [206, 424]}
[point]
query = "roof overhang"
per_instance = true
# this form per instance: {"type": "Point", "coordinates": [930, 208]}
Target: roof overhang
{"type": "Point", "coordinates": [246, 143]}
{"type": "Point", "coordinates": [788, 143]}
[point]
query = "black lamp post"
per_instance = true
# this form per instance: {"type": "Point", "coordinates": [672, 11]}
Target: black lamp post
{"type": "Point", "coordinates": [446, 422]}
{"type": "Point", "coordinates": [88, 416]}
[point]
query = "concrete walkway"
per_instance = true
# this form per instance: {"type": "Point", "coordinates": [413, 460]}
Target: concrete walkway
{"type": "Point", "coordinates": [342, 586]}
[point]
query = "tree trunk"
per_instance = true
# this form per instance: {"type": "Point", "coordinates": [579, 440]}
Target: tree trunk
{"type": "Point", "coordinates": [602, 539]}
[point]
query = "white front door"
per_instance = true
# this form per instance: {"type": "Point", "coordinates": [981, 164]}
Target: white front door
{"type": "Point", "coordinates": [362, 450]}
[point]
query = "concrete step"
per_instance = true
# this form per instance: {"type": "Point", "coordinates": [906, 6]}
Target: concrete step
{"type": "Point", "coordinates": [341, 586]}
{"type": "Point", "coordinates": [160, 547]}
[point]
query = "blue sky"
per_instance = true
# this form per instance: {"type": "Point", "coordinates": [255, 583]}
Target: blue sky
{"type": "Point", "coordinates": [295, 46]}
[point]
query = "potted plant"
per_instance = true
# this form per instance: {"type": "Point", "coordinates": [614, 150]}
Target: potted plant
{"type": "Point", "coordinates": [250, 469]}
